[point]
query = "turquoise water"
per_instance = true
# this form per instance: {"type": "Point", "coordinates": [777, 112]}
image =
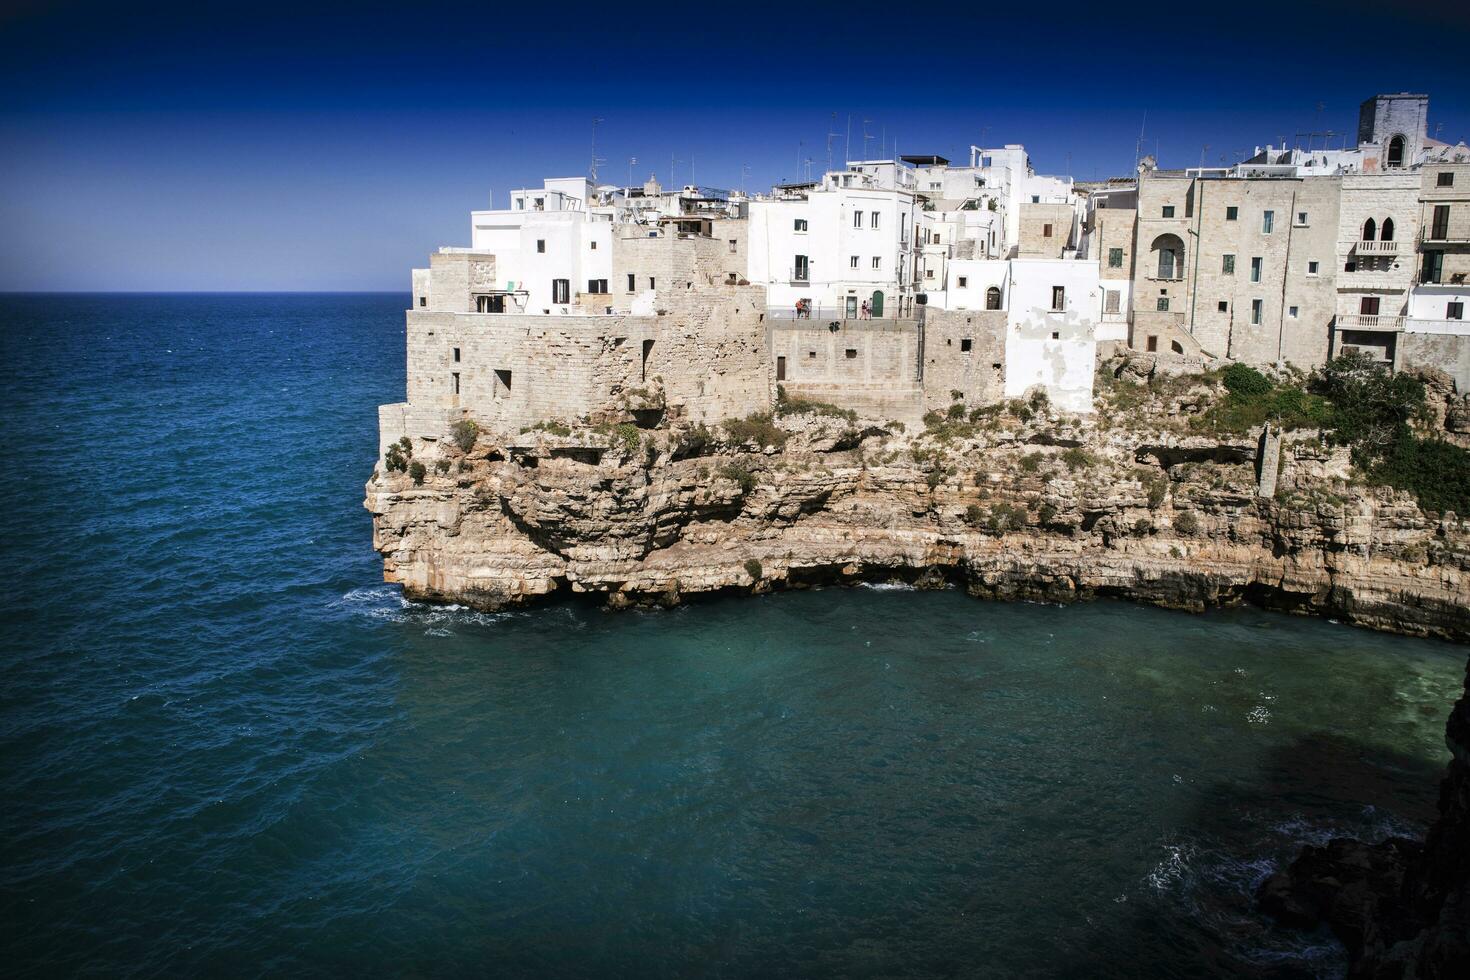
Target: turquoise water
{"type": "Point", "coordinates": [227, 748]}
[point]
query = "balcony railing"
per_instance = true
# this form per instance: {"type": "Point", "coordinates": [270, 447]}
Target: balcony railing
{"type": "Point", "coordinates": [1459, 328]}
{"type": "Point", "coordinates": [1443, 236]}
{"type": "Point", "coordinates": [1377, 248]}
{"type": "Point", "coordinates": [800, 275]}
{"type": "Point", "coordinates": [1369, 321]}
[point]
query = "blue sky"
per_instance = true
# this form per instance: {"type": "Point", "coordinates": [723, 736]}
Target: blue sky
{"type": "Point", "coordinates": [301, 146]}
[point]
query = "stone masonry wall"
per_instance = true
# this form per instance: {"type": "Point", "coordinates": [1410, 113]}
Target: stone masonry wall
{"type": "Point", "coordinates": [977, 373]}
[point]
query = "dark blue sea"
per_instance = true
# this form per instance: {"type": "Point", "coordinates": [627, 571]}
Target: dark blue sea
{"type": "Point", "coordinates": [226, 748]}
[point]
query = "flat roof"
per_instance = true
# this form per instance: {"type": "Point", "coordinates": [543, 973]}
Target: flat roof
{"type": "Point", "coordinates": [926, 160]}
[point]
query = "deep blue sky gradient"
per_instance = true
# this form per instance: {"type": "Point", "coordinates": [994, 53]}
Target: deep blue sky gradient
{"type": "Point", "coordinates": [301, 146]}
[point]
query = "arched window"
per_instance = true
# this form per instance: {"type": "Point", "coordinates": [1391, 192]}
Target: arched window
{"type": "Point", "coordinates": [1370, 229]}
{"type": "Point", "coordinates": [1387, 235]}
{"type": "Point", "coordinates": [1396, 152]}
{"type": "Point", "coordinates": [992, 298]}
{"type": "Point", "coordinates": [1169, 252]}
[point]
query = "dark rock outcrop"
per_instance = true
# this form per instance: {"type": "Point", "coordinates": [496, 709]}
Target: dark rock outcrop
{"type": "Point", "coordinates": [1401, 907]}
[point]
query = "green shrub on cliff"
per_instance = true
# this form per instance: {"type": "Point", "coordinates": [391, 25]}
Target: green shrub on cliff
{"type": "Point", "coordinates": [787, 405]}
{"type": "Point", "coordinates": [398, 455]}
{"type": "Point", "coordinates": [1186, 523]}
{"type": "Point", "coordinates": [757, 427]}
{"type": "Point", "coordinates": [464, 432]}
{"type": "Point", "coordinates": [742, 475]}
{"type": "Point", "coordinates": [753, 569]}
{"type": "Point", "coordinates": [418, 471]}
{"type": "Point", "coordinates": [1246, 381]}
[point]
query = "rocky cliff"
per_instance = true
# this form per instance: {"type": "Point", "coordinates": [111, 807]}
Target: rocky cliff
{"type": "Point", "coordinates": [1137, 500]}
{"type": "Point", "coordinates": [1401, 907]}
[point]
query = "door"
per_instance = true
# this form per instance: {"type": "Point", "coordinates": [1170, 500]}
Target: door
{"type": "Point", "coordinates": [851, 311]}
{"type": "Point", "coordinates": [780, 369]}
{"type": "Point", "coordinates": [1368, 306]}
{"type": "Point", "coordinates": [877, 302]}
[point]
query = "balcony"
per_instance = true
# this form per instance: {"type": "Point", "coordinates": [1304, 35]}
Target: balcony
{"type": "Point", "coordinates": [799, 275]}
{"type": "Point", "coordinates": [1369, 321]}
{"type": "Point", "coordinates": [1438, 235]}
{"type": "Point", "coordinates": [1376, 248]}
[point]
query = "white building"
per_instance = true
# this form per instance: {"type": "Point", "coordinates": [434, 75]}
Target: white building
{"type": "Point", "coordinates": [837, 242]}
{"type": "Point", "coordinates": [549, 245]}
{"type": "Point", "coordinates": [1053, 311]}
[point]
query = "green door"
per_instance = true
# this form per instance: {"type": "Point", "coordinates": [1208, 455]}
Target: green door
{"type": "Point", "coordinates": [877, 302]}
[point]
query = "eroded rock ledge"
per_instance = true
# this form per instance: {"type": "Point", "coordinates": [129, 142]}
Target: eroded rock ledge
{"type": "Point", "coordinates": [1018, 504]}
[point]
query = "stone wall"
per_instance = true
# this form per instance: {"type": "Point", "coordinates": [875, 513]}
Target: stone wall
{"type": "Point", "coordinates": [964, 351]}
{"type": "Point", "coordinates": [704, 356]}
{"type": "Point", "coordinates": [1035, 218]}
{"type": "Point", "coordinates": [455, 277]}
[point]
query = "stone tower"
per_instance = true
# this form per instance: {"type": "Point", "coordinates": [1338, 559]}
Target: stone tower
{"type": "Point", "coordinates": [1395, 127]}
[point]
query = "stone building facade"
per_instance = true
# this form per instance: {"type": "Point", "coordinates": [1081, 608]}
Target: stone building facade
{"type": "Point", "coordinates": [1236, 268]}
{"type": "Point", "coordinates": [1046, 230]}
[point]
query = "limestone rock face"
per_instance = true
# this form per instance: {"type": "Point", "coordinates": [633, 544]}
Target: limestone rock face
{"type": "Point", "coordinates": [1042, 508]}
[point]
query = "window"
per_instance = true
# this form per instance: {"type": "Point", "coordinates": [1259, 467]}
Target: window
{"type": "Point", "coordinates": [877, 262]}
{"type": "Point", "coordinates": [540, 244]}
{"type": "Point", "coordinates": [800, 269]}
{"type": "Point", "coordinates": [454, 381]}
{"type": "Point", "coordinates": [1444, 178]}
{"type": "Point", "coordinates": [928, 273]}
{"type": "Point", "coordinates": [1162, 306]}
{"type": "Point", "coordinates": [852, 262]}
{"type": "Point", "coordinates": [1035, 198]}
{"type": "Point", "coordinates": [1223, 306]}
{"type": "Point", "coordinates": [1046, 231]}
{"type": "Point", "coordinates": [1440, 225]}
{"type": "Point", "coordinates": [1227, 265]}
{"type": "Point", "coordinates": [1387, 235]}
{"type": "Point", "coordinates": [1056, 335]}
{"type": "Point", "coordinates": [1111, 301]}
{"type": "Point", "coordinates": [934, 238]}
{"type": "Point", "coordinates": [800, 224]}
{"type": "Point", "coordinates": [964, 281]}
{"type": "Point", "coordinates": [520, 204]}
{"type": "Point", "coordinates": [456, 355]}
{"type": "Point", "coordinates": [1268, 222]}
{"type": "Point", "coordinates": [540, 204]}
{"type": "Point", "coordinates": [992, 298]}
{"type": "Point", "coordinates": [851, 353]}
{"type": "Point", "coordinates": [1350, 266]}
{"type": "Point", "coordinates": [1370, 230]}
{"type": "Point", "coordinates": [1312, 268]}
{"type": "Point", "coordinates": [596, 285]}
{"type": "Point", "coordinates": [561, 290]}
{"type": "Point", "coordinates": [857, 219]}
{"type": "Point", "coordinates": [1232, 213]}
{"type": "Point", "coordinates": [1058, 298]}
{"type": "Point", "coordinates": [652, 283]}
{"type": "Point", "coordinates": [631, 285]}
{"type": "Point", "coordinates": [1256, 268]}
{"type": "Point", "coordinates": [1291, 312]}
{"type": "Point", "coordinates": [965, 345]}
{"type": "Point", "coordinates": [873, 222]}
{"type": "Point", "coordinates": [1256, 307]}
{"type": "Point", "coordinates": [1115, 258]}
{"type": "Point", "coordinates": [502, 383]}
{"type": "Point", "coordinates": [1396, 152]}
{"type": "Point", "coordinates": [594, 246]}
{"type": "Point", "coordinates": [423, 301]}
{"type": "Point", "coordinates": [1301, 219]}
{"type": "Point", "coordinates": [1153, 343]}
{"type": "Point", "coordinates": [734, 242]}
{"type": "Point", "coordinates": [1168, 210]}
{"type": "Point", "coordinates": [1368, 306]}
{"type": "Point", "coordinates": [1454, 310]}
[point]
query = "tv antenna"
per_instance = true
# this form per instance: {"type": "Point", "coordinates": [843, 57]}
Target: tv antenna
{"type": "Point", "coordinates": [596, 160]}
{"type": "Point", "coordinates": [832, 134]}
